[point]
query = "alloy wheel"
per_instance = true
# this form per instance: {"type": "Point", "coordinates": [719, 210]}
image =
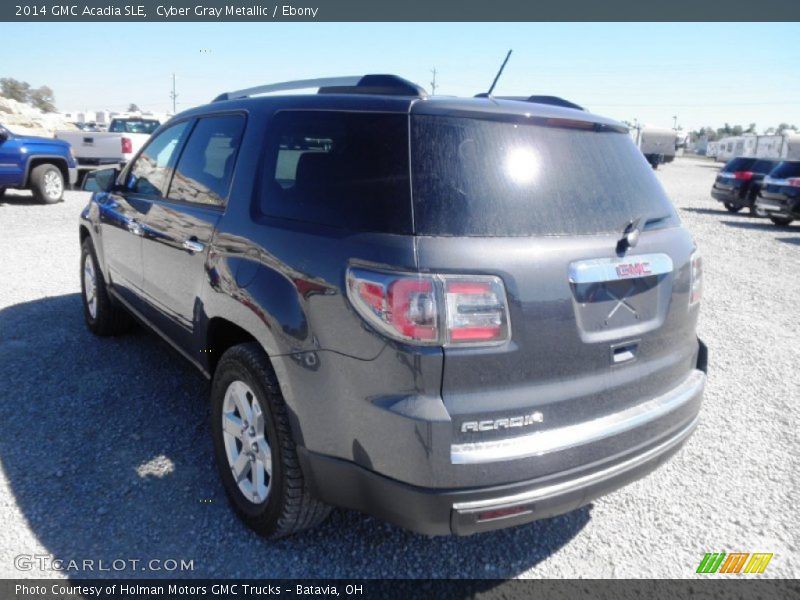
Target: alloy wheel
{"type": "Point", "coordinates": [246, 447]}
{"type": "Point", "coordinates": [90, 286]}
{"type": "Point", "coordinates": [53, 185]}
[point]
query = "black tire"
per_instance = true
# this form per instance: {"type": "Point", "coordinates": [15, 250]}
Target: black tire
{"type": "Point", "coordinates": [2, 192]}
{"type": "Point", "coordinates": [289, 507]}
{"type": "Point", "coordinates": [109, 318]}
{"type": "Point", "coordinates": [751, 205]}
{"type": "Point", "coordinates": [40, 184]}
{"type": "Point", "coordinates": [781, 221]}
{"type": "Point", "coordinates": [734, 208]}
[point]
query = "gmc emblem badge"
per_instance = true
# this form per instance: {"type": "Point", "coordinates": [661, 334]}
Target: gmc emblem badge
{"type": "Point", "coordinates": [637, 269]}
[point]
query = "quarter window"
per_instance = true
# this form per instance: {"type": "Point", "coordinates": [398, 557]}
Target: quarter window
{"type": "Point", "coordinates": [205, 168]}
{"type": "Point", "coordinates": [347, 170]}
{"type": "Point", "coordinates": [149, 175]}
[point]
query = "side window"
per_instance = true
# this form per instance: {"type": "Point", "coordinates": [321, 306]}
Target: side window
{"type": "Point", "coordinates": [205, 168]}
{"type": "Point", "coordinates": [347, 170]}
{"type": "Point", "coordinates": [149, 175]}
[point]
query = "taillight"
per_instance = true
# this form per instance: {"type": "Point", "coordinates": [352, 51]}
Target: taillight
{"type": "Point", "coordinates": [431, 309]}
{"type": "Point", "coordinates": [127, 145]}
{"type": "Point", "coordinates": [793, 181]}
{"type": "Point", "coordinates": [743, 175]}
{"type": "Point", "coordinates": [696, 278]}
{"type": "Point", "coordinates": [475, 309]}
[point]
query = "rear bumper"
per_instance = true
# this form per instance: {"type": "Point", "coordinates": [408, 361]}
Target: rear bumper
{"type": "Point", "coordinates": [465, 511]}
{"type": "Point", "coordinates": [733, 196]}
{"type": "Point", "coordinates": [779, 207]}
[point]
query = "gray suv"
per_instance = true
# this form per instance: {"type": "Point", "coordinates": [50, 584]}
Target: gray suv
{"type": "Point", "coordinates": [454, 314]}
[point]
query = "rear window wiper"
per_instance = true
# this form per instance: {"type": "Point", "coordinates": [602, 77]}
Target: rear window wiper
{"type": "Point", "coordinates": [630, 234]}
{"type": "Point", "coordinates": [633, 229]}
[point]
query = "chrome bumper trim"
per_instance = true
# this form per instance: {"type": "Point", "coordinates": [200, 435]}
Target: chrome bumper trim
{"type": "Point", "coordinates": [565, 487]}
{"type": "Point", "coordinates": [563, 438]}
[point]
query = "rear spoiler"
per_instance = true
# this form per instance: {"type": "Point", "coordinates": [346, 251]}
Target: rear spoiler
{"type": "Point", "coordinates": [552, 100]}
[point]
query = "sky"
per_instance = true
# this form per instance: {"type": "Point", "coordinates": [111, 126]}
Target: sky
{"type": "Point", "coordinates": [705, 74]}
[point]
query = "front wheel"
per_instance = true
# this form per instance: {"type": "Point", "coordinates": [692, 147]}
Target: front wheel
{"type": "Point", "coordinates": [102, 316]}
{"type": "Point", "coordinates": [732, 207]}
{"type": "Point", "coordinates": [47, 184]}
{"type": "Point", "coordinates": [255, 453]}
{"type": "Point", "coordinates": [781, 221]}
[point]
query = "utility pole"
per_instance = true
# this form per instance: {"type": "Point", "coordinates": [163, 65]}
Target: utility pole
{"type": "Point", "coordinates": [433, 82]}
{"type": "Point", "coordinates": [675, 122]}
{"type": "Point", "coordinates": [173, 95]}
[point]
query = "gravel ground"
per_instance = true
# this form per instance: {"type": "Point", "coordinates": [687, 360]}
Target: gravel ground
{"type": "Point", "coordinates": [105, 450]}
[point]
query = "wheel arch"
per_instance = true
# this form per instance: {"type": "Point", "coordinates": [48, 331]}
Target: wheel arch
{"type": "Point", "coordinates": [57, 161]}
{"type": "Point", "coordinates": [222, 334]}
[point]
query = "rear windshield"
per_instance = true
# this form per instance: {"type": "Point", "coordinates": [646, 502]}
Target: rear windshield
{"type": "Point", "coordinates": [738, 164]}
{"type": "Point", "coordinates": [491, 178]}
{"type": "Point", "coordinates": [785, 170]}
{"type": "Point", "coordinates": [134, 126]}
{"type": "Point", "coordinates": [763, 166]}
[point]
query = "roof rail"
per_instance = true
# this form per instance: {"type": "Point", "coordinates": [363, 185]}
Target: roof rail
{"type": "Point", "coordinates": [353, 84]}
{"type": "Point", "coordinates": [553, 100]}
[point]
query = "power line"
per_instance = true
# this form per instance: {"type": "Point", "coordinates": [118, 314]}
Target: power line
{"type": "Point", "coordinates": [695, 105]}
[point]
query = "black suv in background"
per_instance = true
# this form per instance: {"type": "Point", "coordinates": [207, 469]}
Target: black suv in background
{"type": "Point", "coordinates": [454, 314]}
{"type": "Point", "coordinates": [780, 193]}
{"type": "Point", "coordinates": [739, 181]}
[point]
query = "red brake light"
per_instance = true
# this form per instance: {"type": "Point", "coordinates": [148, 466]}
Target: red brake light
{"type": "Point", "coordinates": [413, 308]}
{"type": "Point", "coordinates": [793, 181]}
{"type": "Point", "coordinates": [127, 145]}
{"type": "Point", "coordinates": [744, 175]}
{"type": "Point", "coordinates": [431, 309]}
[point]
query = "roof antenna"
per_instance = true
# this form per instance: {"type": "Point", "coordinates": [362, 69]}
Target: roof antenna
{"type": "Point", "coordinates": [500, 72]}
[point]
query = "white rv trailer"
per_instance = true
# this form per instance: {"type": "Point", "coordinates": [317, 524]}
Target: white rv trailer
{"type": "Point", "coordinates": [770, 146]}
{"type": "Point", "coordinates": [785, 146]}
{"type": "Point", "coordinates": [657, 145]}
{"type": "Point", "coordinates": [790, 146]}
{"type": "Point", "coordinates": [749, 145]}
{"type": "Point", "coordinates": [730, 147]}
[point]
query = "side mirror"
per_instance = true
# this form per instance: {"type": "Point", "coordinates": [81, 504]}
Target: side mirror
{"type": "Point", "coordinates": [100, 180]}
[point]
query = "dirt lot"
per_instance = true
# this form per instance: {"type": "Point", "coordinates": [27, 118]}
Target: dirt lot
{"type": "Point", "coordinates": [105, 452]}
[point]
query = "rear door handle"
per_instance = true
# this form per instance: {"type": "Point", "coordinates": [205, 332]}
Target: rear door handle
{"type": "Point", "coordinates": [193, 246]}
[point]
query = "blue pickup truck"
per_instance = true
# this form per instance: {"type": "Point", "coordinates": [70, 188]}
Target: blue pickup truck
{"type": "Point", "coordinates": [44, 166]}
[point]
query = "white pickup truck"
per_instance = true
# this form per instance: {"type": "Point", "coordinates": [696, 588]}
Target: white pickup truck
{"type": "Point", "coordinates": [124, 138]}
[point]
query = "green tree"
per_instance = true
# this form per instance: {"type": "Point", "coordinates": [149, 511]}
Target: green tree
{"type": "Point", "coordinates": [14, 89]}
{"type": "Point", "coordinates": [43, 99]}
{"type": "Point", "coordinates": [133, 108]}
